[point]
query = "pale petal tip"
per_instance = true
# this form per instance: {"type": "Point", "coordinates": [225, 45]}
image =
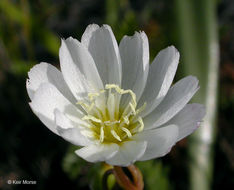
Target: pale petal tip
{"type": "Point", "coordinates": [41, 64]}
{"type": "Point", "coordinates": [106, 26]}
{"type": "Point", "coordinates": [93, 26]}
{"type": "Point", "coordinates": [172, 49]}
{"type": "Point", "coordinates": [90, 29]}
{"type": "Point", "coordinates": [143, 34]}
{"type": "Point", "coordinates": [202, 111]}
{"type": "Point", "coordinates": [192, 79]}
{"type": "Point", "coordinates": [64, 40]}
{"type": "Point", "coordinates": [62, 43]}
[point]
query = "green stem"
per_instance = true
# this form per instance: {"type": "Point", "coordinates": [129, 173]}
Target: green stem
{"type": "Point", "coordinates": [200, 55]}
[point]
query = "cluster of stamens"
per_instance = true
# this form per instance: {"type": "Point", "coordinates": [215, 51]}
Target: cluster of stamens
{"type": "Point", "coordinates": [112, 115]}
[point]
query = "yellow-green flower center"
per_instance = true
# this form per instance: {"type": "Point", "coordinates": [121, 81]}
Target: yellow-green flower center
{"type": "Point", "coordinates": [112, 115]}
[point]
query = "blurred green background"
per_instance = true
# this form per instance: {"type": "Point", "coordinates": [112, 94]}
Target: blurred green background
{"type": "Point", "coordinates": [202, 30]}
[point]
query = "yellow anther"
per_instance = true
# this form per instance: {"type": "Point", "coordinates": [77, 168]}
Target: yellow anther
{"type": "Point", "coordinates": [111, 122]}
{"type": "Point", "coordinates": [121, 91]}
{"type": "Point", "coordinates": [107, 121]}
{"type": "Point", "coordinates": [90, 107]}
{"type": "Point", "coordinates": [127, 132]}
{"type": "Point", "coordinates": [93, 95]}
{"type": "Point", "coordinates": [84, 105]}
{"type": "Point", "coordinates": [90, 117]}
{"type": "Point", "coordinates": [141, 108]}
{"type": "Point", "coordinates": [115, 135]}
{"type": "Point", "coordinates": [141, 124]}
{"type": "Point", "coordinates": [132, 108]}
{"type": "Point", "coordinates": [101, 134]}
{"type": "Point", "coordinates": [126, 120]}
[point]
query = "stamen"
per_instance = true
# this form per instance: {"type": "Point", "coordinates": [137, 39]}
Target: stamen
{"type": "Point", "coordinates": [90, 117]}
{"type": "Point", "coordinates": [101, 134]}
{"type": "Point", "coordinates": [121, 91]}
{"type": "Point", "coordinates": [115, 135]}
{"type": "Point", "coordinates": [91, 107]}
{"type": "Point", "coordinates": [128, 112]}
{"type": "Point", "coordinates": [141, 108]}
{"type": "Point", "coordinates": [132, 108]}
{"type": "Point", "coordinates": [141, 124]}
{"type": "Point", "coordinates": [111, 122]}
{"type": "Point", "coordinates": [126, 120]}
{"type": "Point", "coordinates": [93, 95]}
{"type": "Point", "coordinates": [83, 105]}
{"type": "Point", "coordinates": [127, 132]}
{"type": "Point", "coordinates": [105, 118]}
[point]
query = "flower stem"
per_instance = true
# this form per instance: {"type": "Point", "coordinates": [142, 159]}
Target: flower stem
{"type": "Point", "coordinates": [124, 181]}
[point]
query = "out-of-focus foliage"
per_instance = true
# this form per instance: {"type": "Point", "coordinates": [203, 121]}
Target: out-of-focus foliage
{"type": "Point", "coordinates": [155, 175]}
{"type": "Point", "coordinates": [76, 168]}
{"type": "Point", "coordinates": [30, 32]}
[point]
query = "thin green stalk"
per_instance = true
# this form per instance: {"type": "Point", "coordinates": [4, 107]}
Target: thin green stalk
{"type": "Point", "coordinates": [198, 40]}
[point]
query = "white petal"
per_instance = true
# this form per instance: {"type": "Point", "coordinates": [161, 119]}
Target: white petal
{"type": "Point", "coordinates": [103, 47]}
{"type": "Point", "coordinates": [134, 52]}
{"type": "Point", "coordinates": [97, 153]}
{"type": "Point", "coordinates": [176, 98]}
{"type": "Point", "coordinates": [128, 153]}
{"type": "Point", "coordinates": [46, 99]}
{"type": "Point", "coordinates": [188, 119]}
{"type": "Point", "coordinates": [161, 74]}
{"type": "Point", "coordinates": [159, 141]}
{"type": "Point", "coordinates": [69, 130]}
{"type": "Point", "coordinates": [85, 39]}
{"type": "Point", "coordinates": [78, 68]}
{"type": "Point", "coordinates": [46, 73]}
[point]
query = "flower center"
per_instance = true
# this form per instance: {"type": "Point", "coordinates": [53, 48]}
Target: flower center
{"type": "Point", "coordinates": [112, 116]}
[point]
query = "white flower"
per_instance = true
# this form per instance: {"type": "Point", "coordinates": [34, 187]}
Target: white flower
{"type": "Point", "coordinates": [111, 101]}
